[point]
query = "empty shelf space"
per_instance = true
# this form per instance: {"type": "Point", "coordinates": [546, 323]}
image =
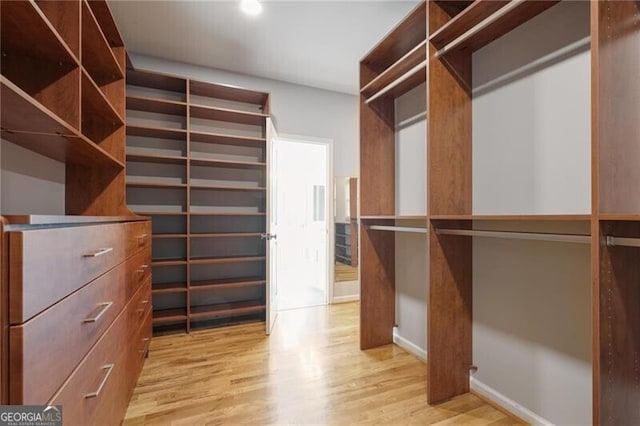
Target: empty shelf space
{"type": "Point", "coordinates": [152, 158]}
{"type": "Point", "coordinates": [231, 93]}
{"type": "Point", "coordinates": [227, 235]}
{"type": "Point", "coordinates": [27, 33]}
{"type": "Point", "coordinates": [169, 315]}
{"type": "Point", "coordinates": [225, 259]}
{"type": "Point", "coordinates": [227, 115]}
{"type": "Point", "coordinates": [97, 57]}
{"type": "Point", "coordinates": [227, 163]}
{"type": "Point", "coordinates": [217, 138]}
{"type": "Point", "coordinates": [95, 104]}
{"type": "Point", "coordinates": [227, 309]}
{"type": "Point", "coordinates": [227, 283]}
{"type": "Point", "coordinates": [229, 188]}
{"type": "Point", "coordinates": [139, 184]}
{"type": "Point", "coordinates": [159, 106]}
{"type": "Point", "coordinates": [29, 124]}
{"type": "Point", "coordinates": [515, 218]}
{"type": "Point", "coordinates": [157, 81]}
{"type": "Point", "coordinates": [168, 261]}
{"type": "Point", "coordinates": [485, 21]}
{"type": "Point", "coordinates": [157, 132]}
{"type": "Point", "coordinates": [168, 288]}
{"type": "Point", "coordinates": [395, 73]}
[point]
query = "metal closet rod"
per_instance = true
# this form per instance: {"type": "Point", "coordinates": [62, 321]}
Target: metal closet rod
{"type": "Point", "coordinates": [514, 235]}
{"type": "Point", "coordinates": [397, 229]}
{"type": "Point", "coordinates": [621, 241]}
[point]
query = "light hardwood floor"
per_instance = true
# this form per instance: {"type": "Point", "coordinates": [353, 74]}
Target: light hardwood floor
{"type": "Point", "coordinates": [310, 371]}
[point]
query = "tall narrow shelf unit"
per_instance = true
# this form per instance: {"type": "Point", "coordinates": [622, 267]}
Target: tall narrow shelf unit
{"type": "Point", "coordinates": [445, 34]}
{"type": "Point", "coordinates": [78, 278]}
{"type": "Point", "coordinates": [196, 163]}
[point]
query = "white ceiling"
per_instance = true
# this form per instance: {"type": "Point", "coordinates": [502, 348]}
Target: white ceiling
{"type": "Point", "coordinates": [315, 43]}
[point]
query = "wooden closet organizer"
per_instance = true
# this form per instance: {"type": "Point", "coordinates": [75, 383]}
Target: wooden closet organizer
{"type": "Point", "coordinates": [196, 163]}
{"type": "Point", "coordinates": [434, 43]}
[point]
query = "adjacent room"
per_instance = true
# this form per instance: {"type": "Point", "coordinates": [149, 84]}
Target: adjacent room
{"type": "Point", "coordinates": [320, 212]}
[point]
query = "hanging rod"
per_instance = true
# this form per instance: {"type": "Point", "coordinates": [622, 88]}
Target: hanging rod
{"type": "Point", "coordinates": [566, 238]}
{"type": "Point", "coordinates": [480, 26]}
{"type": "Point", "coordinates": [620, 241]}
{"type": "Point", "coordinates": [398, 80]}
{"type": "Point", "coordinates": [397, 229]}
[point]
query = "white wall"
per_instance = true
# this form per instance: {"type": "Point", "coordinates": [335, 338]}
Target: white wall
{"type": "Point", "coordinates": [30, 183]}
{"type": "Point", "coordinates": [411, 248]}
{"type": "Point", "coordinates": [296, 110]}
{"type": "Point", "coordinates": [531, 154]}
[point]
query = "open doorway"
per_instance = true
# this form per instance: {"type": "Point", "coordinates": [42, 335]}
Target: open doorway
{"type": "Point", "coordinates": [304, 208]}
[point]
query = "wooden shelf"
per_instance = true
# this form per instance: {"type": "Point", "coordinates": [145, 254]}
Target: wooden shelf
{"type": "Point", "coordinates": [527, 218]}
{"type": "Point", "coordinates": [155, 185]}
{"type": "Point", "coordinates": [404, 68]}
{"type": "Point", "coordinates": [157, 132]}
{"type": "Point", "coordinates": [232, 93]}
{"type": "Point", "coordinates": [153, 158]}
{"type": "Point", "coordinates": [159, 106]}
{"type": "Point", "coordinates": [27, 33]}
{"type": "Point", "coordinates": [226, 235]}
{"type": "Point", "coordinates": [159, 213]}
{"type": "Point", "coordinates": [168, 288]}
{"type": "Point", "coordinates": [227, 283]}
{"type": "Point", "coordinates": [64, 16]}
{"type": "Point", "coordinates": [155, 80]}
{"type": "Point", "coordinates": [483, 22]}
{"type": "Point", "coordinates": [227, 309]}
{"type": "Point", "coordinates": [227, 163]}
{"type": "Point", "coordinates": [229, 188]}
{"type": "Point", "coordinates": [393, 217]}
{"type": "Point", "coordinates": [166, 316]}
{"type": "Point", "coordinates": [29, 124]}
{"type": "Point", "coordinates": [97, 57]}
{"type": "Point", "coordinates": [95, 104]}
{"type": "Point", "coordinates": [230, 115]}
{"type": "Point", "coordinates": [400, 40]}
{"type": "Point", "coordinates": [226, 214]}
{"type": "Point", "coordinates": [217, 138]}
{"type": "Point", "coordinates": [169, 262]}
{"type": "Point", "coordinates": [168, 236]}
{"type": "Point", "coordinates": [630, 217]}
{"type": "Point", "coordinates": [104, 17]}
{"type": "Point", "coordinates": [216, 260]}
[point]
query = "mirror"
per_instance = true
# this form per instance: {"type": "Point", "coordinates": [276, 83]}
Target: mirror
{"type": "Point", "coordinates": [346, 228]}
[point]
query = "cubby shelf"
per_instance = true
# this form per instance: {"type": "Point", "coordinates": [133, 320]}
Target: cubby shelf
{"type": "Point", "coordinates": [103, 15]}
{"type": "Point", "coordinates": [156, 81]}
{"type": "Point", "coordinates": [227, 163]}
{"type": "Point", "coordinates": [97, 57]}
{"type": "Point", "coordinates": [221, 284]}
{"type": "Point", "coordinates": [216, 138]}
{"type": "Point", "coordinates": [153, 158]}
{"type": "Point", "coordinates": [159, 106]}
{"type": "Point", "coordinates": [156, 132]}
{"type": "Point", "coordinates": [169, 288]}
{"type": "Point", "coordinates": [228, 115]}
{"type": "Point", "coordinates": [232, 93]}
{"type": "Point", "coordinates": [227, 309]}
{"type": "Point", "coordinates": [96, 104]}
{"type": "Point", "coordinates": [28, 123]}
{"type": "Point", "coordinates": [166, 316]}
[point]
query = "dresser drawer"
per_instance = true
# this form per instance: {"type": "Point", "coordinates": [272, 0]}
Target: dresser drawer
{"type": "Point", "coordinates": [66, 331]}
{"type": "Point", "coordinates": [138, 236]}
{"type": "Point", "coordinates": [46, 265]}
{"type": "Point", "coordinates": [98, 391]}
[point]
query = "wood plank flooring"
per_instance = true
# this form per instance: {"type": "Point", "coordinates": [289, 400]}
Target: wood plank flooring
{"type": "Point", "coordinates": [346, 272]}
{"type": "Point", "coordinates": [310, 371]}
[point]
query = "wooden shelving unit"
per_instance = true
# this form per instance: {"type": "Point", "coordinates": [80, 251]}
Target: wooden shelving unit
{"type": "Point", "coordinates": [450, 33]}
{"type": "Point", "coordinates": [210, 208]}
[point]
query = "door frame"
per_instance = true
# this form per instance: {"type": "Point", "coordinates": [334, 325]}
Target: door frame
{"type": "Point", "coordinates": [330, 203]}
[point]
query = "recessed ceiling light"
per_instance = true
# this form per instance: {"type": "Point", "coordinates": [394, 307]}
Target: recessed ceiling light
{"type": "Point", "coordinates": [251, 7]}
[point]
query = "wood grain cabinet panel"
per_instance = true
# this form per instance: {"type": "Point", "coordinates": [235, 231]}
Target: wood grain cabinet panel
{"type": "Point", "coordinates": [48, 264]}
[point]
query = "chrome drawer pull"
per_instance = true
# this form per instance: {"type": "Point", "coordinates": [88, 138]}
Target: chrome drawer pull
{"type": "Point", "coordinates": [99, 252]}
{"type": "Point", "coordinates": [105, 308]}
{"type": "Point", "coordinates": [109, 369]}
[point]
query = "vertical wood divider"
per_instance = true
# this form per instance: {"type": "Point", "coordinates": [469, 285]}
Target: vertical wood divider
{"type": "Point", "coordinates": [188, 195]}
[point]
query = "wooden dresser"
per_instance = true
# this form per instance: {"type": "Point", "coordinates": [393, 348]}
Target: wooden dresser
{"type": "Point", "coordinates": [79, 310]}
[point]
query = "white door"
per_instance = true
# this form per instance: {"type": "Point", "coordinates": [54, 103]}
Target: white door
{"type": "Point", "coordinates": [271, 234]}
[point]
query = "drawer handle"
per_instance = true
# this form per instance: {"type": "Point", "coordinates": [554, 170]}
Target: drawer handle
{"type": "Point", "coordinates": [143, 269]}
{"type": "Point", "coordinates": [143, 304]}
{"type": "Point", "coordinates": [99, 252]}
{"type": "Point", "coordinates": [146, 346]}
{"type": "Point", "coordinates": [109, 369]}
{"type": "Point", "coordinates": [142, 238]}
{"type": "Point", "coordinates": [105, 308]}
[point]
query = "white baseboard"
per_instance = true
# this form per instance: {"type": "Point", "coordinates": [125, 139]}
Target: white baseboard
{"type": "Point", "coordinates": [345, 299]}
{"type": "Point", "coordinates": [507, 403]}
{"type": "Point", "coordinates": [409, 346]}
